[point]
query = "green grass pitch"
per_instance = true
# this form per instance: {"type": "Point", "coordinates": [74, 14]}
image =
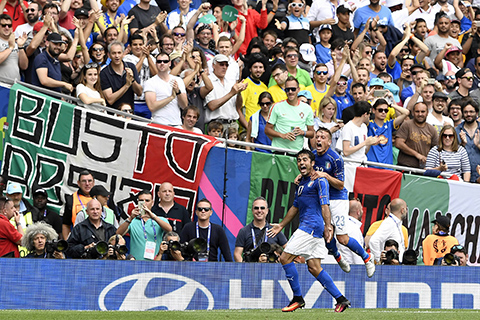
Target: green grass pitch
{"type": "Point", "coordinates": [323, 314]}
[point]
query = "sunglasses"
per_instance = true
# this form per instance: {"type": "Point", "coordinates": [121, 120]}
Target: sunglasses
{"type": "Point", "coordinates": [458, 247]}
{"type": "Point", "coordinates": [415, 73]}
{"type": "Point", "coordinates": [4, 25]}
{"type": "Point", "coordinates": [97, 49]}
{"type": "Point", "coordinates": [293, 55]}
{"type": "Point", "coordinates": [127, 110]}
{"type": "Point", "coordinates": [265, 104]}
{"type": "Point", "coordinates": [368, 52]}
{"type": "Point", "coordinates": [91, 65]}
{"type": "Point", "coordinates": [260, 208]}
{"type": "Point", "coordinates": [176, 34]}
{"type": "Point", "coordinates": [287, 90]}
{"type": "Point", "coordinates": [341, 83]}
{"type": "Point", "coordinates": [322, 72]}
{"type": "Point", "coordinates": [405, 50]}
{"type": "Point", "coordinates": [78, 56]}
{"type": "Point", "coordinates": [203, 209]}
{"type": "Point", "coordinates": [450, 77]}
{"type": "Point", "coordinates": [447, 135]}
{"type": "Point", "coordinates": [295, 5]}
{"type": "Point", "coordinates": [467, 78]}
{"type": "Point", "coordinates": [163, 61]}
{"type": "Point", "coordinates": [381, 110]}
{"type": "Point", "coordinates": [30, 10]}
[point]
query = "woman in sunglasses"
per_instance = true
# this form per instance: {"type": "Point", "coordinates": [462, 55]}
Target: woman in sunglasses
{"type": "Point", "coordinates": [296, 25]}
{"type": "Point", "coordinates": [449, 155]}
{"type": "Point", "coordinates": [89, 90]}
{"type": "Point", "coordinates": [97, 54]}
{"type": "Point", "coordinates": [256, 125]}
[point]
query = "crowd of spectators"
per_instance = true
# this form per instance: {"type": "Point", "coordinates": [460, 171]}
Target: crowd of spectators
{"type": "Point", "coordinates": [395, 83]}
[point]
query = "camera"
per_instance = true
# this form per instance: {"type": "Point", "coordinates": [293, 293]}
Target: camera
{"type": "Point", "coordinates": [56, 245]}
{"type": "Point", "coordinates": [390, 255]}
{"type": "Point", "coordinates": [188, 249]}
{"type": "Point", "coordinates": [451, 259]}
{"type": "Point", "coordinates": [263, 248]}
{"type": "Point", "coordinates": [96, 252]}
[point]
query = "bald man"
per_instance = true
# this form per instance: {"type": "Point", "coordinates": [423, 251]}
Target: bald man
{"type": "Point", "coordinates": [391, 228]}
{"type": "Point", "coordinates": [89, 232]}
{"type": "Point", "coordinates": [353, 226]}
{"type": "Point", "coordinates": [175, 213]}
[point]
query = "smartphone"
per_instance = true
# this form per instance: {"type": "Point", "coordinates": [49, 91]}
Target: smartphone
{"type": "Point", "coordinates": [430, 81]}
{"type": "Point", "coordinates": [141, 205]}
{"type": "Point", "coordinates": [477, 24]}
{"type": "Point", "coordinates": [339, 121]}
{"type": "Point", "coordinates": [379, 93]}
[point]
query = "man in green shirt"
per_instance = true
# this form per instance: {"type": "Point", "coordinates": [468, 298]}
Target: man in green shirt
{"type": "Point", "coordinates": [290, 121]}
{"type": "Point", "coordinates": [291, 56]}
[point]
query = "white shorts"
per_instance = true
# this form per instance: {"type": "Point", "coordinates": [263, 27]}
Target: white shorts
{"type": "Point", "coordinates": [339, 211]}
{"type": "Point", "coordinates": [306, 245]}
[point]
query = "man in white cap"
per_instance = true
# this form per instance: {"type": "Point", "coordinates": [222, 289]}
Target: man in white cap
{"type": "Point", "coordinates": [221, 101]}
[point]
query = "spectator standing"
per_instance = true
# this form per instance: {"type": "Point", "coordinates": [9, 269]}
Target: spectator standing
{"type": "Point", "coordinates": [165, 94]}
{"type": "Point", "coordinates": [40, 201]}
{"type": "Point", "coordinates": [10, 237]}
{"type": "Point", "coordinates": [415, 138]}
{"type": "Point", "coordinates": [16, 9]}
{"type": "Point", "coordinates": [255, 87]}
{"type": "Point", "coordinates": [33, 13]}
{"type": "Point", "coordinates": [296, 25]}
{"type": "Point", "coordinates": [148, 16]}
{"type": "Point", "coordinates": [119, 79]}
{"type": "Point", "coordinates": [12, 55]}
{"type": "Point", "coordinates": [469, 136]}
{"type": "Point", "coordinates": [437, 43]}
{"type": "Point", "coordinates": [258, 121]}
{"type": "Point", "coordinates": [438, 243]}
{"type": "Point", "coordinates": [374, 9]}
{"type": "Point", "coordinates": [254, 21]}
{"type": "Point", "coordinates": [175, 213]}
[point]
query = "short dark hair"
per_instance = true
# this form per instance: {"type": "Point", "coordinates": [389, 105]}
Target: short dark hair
{"type": "Point", "coordinates": [270, 32]}
{"type": "Point", "coordinates": [380, 102]}
{"type": "Point", "coordinates": [361, 107]}
{"type": "Point", "coordinates": [456, 102]}
{"type": "Point", "coordinates": [85, 173]}
{"type": "Point", "coordinates": [472, 103]}
{"type": "Point", "coordinates": [214, 125]}
{"type": "Point", "coordinates": [292, 78]}
{"type": "Point", "coordinates": [109, 28]}
{"type": "Point", "coordinates": [390, 243]}
{"type": "Point", "coordinates": [5, 16]}
{"type": "Point", "coordinates": [204, 200]}
{"type": "Point", "coordinates": [323, 129]}
{"type": "Point", "coordinates": [50, 5]}
{"type": "Point", "coordinates": [263, 95]}
{"type": "Point", "coordinates": [166, 35]}
{"type": "Point", "coordinates": [280, 66]}
{"type": "Point", "coordinates": [136, 36]}
{"type": "Point", "coordinates": [309, 153]}
{"type": "Point", "coordinates": [290, 49]}
{"type": "Point", "coordinates": [144, 191]}
{"type": "Point", "coordinates": [377, 52]}
{"type": "Point", "coordinates": [3, 201]}
{"type": "Point", "coordinates": [359, 85]}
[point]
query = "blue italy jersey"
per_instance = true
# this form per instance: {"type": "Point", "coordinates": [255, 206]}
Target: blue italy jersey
{"type": "Point", "coordinates": [309, 198]}
{"type": "Point", "coordinates": [383, 152]}
{"type": "Point", "coordinates": [332, 163]}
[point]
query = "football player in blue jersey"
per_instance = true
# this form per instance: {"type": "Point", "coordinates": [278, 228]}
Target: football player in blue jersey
{"type": "Point", "coordinates": [312, 203]}
{"type": "Point", "coordinates": [329, 165]}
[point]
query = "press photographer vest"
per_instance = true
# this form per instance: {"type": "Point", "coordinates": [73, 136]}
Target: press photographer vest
{"type": "Point", "coordinates": [79, 204]}
{"type": "Point", "coordinates": [27, 220]}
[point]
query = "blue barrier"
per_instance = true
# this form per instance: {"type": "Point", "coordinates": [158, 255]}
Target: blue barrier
{"type": "Point", "coordinates": [142, 285]}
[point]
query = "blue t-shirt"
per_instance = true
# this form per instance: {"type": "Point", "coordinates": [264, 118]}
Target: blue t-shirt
{"type": "Point", "coordinates": [383, 152]}
{"type": "Point", "coordinates": [332, 163]}
{"type": "Point", "coordinates": [322, 53]}
{"type": "Point", "coordinates": [396, 71]}
{"type": "Point", "coordinates": [342, 103]}
{"type": "Point", "coordinates": [309, 198]}
{"type": "Point", "coordinates": [362, 14]}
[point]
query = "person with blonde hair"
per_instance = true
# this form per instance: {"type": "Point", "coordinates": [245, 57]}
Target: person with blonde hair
{"type": "Point", "coordinates": [327, 118]}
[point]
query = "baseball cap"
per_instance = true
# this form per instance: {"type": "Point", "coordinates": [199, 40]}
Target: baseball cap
{"type": "Point", "coordinates": [377, 82]}
{"type": "Point", "coordinates": [394, 89]}
{"type": "Point", "coordinates": [40, 192]}
{"type": "Point", "coordinates": [344, 76]}
{"type": "Point", "coordinates": [305, 93]}
{"type": "Point", "coordinates": [442, 221]}
{"type": "Point", "coordinates": [99, 191]}
{"type": "Point", "coordinates": [308, 52]}
{"type": "Point", "coordinates": [453, 49]}
{"type": "Point", "coordinates": [81, 12]}
{"type": "Point", "coordinates": [220, 58]}
{"type": "Point", "coordinates": [325, 27]}
{"type": "Point", "coordinates": [417, 65]}
{"type": "Point", "coordinates": [440, 95]}
{"type": "Point", "coordinates": [55, 38]}
{"type": "Point", "coordinates": [14, 187]}
{"type": "Point", "coordinates": [460, 73]}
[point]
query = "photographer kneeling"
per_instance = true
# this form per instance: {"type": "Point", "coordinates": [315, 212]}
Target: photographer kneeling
{"type": "Point", "coordinates": [390, 254]}
{"type": "Point", "coordinates": [168, 252]}
{"type": "Point", "coordinates": [41, 241]}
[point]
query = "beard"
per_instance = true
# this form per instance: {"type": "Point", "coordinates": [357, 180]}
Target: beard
{"type": "Point", "coordinates": [53, 53]}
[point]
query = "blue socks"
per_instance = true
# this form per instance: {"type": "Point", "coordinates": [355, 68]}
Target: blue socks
{"type": "Point", "coordinates": [357, 248]}
{"type": "Point", "coordinates": [292, 276]}
{"type": "Point", "coordinates": [332, 248]}
{"type": "Point", "coordinates": [327, 282]}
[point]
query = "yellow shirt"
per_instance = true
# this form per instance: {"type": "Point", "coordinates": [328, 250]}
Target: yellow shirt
{"type": "Point", "coordinates": [250, 96]}
{"type": "Point", "coordinates": [317, 96]}
{"type": "Point", "coordinates": [278, 94]}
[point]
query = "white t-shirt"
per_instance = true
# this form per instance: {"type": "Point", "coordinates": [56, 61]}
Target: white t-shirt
{"type": "Point", "coordinates": [195, 129]}
{"type": "Point", "coordinates": [355, 135]}
{"type": "Point", "coordinates": [437, 124]}
{"type": "Point", "coordinates": [170, 114]}
{"type": "Point", "coordinates": [81, 88]}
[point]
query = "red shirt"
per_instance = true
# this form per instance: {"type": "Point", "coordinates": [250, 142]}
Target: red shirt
{"type": "Point", "coordinates": [254, 20]}
{"type": "Point", "coordinates": [67, 21]}
{"type": "Point", "coordinates": [9, 236]}
{"type": "Point", "coordinates": [16, 13]}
